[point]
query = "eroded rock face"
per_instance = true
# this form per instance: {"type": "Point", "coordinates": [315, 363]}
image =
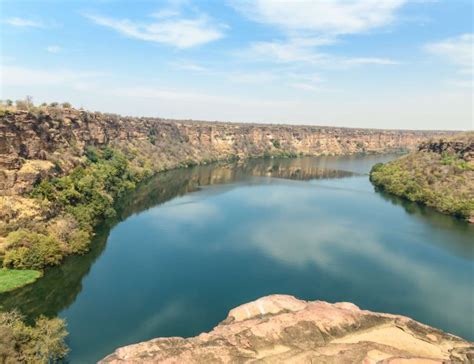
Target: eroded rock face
{"type": "Point", "coordinates": [461, 145]}
{"type": "Point", "coordinates": [281, 328]}
{"type": "Point", "coordinates": [60, 136]}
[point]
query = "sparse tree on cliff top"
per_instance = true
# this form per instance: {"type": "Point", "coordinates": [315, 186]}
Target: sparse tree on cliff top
{"type": "Point", "coordinates": [25, 104]}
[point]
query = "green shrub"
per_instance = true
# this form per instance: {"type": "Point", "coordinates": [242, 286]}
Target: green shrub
{"type": "Point", "coordinates": [29, 250]}
{"type": "Point", "coordinates": [79, 242]}
{"type": "Point", "coordinates": [44, 342]}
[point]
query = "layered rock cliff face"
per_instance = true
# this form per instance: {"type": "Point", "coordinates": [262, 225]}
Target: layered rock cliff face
{"type": "Point", "coordinates": [283, 329]}
{"type": "Point", "coordinates": [51, 141]}
{"type": "Point", "coordinates": [440, 174]}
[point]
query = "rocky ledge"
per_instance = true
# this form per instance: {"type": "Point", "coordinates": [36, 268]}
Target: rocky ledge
{"type": "Point", "coordinates": [281, 328]}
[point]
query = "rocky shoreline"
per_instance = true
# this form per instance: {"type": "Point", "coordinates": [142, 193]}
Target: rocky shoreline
{"type": "Point", "coordinates": [281, 328]}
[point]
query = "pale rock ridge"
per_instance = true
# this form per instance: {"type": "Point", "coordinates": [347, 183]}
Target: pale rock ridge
{"type": "Point", "coordinates": [283, 329]}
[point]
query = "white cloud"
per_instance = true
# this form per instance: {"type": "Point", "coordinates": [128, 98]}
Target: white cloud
{"type": "Point", "coordinates": [370, 60]}
{"type": "Point", "coordinates": [165, 13]}
{"type": "Point", "coordinates": [287, 51]}
{"type": "Point", "coordinates": [22, 22]}
{"type": "Point", "coordinates": [322, 16]}
{"type": "Point", "coordinates": [167, 29]}
{"type": "Point", "coordinates": [300, 50]}
{"type": "Point", "coordinates": [53, 49]}
{"type": "Point", "coordinates": [309, 25]}
{"type": "Point", "coordinates": [457, 50]}
{"type": "Point", "coordinates": [189, 66]}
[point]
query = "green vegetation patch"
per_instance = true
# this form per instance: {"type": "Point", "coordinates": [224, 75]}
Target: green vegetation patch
{"type": "Point", "coordinates": [11, 279]}
{"type": "Point", "coordinates": [443, 181]}
{"type": "Point", "coordinates": [76, 204]}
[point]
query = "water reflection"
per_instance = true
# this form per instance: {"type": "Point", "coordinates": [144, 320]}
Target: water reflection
{"type": "Point", "coordinates": [457, 228]}
{"type": "Point", "coordinates": [61, 285]}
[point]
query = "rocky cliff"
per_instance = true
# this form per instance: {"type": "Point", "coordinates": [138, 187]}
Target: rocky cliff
{"type": "Point", "coordinates": [283, 329]}
{"type": "Point", "coordinates": [51, 141]}
{"type": "Point", "coordinates": [461, 145]}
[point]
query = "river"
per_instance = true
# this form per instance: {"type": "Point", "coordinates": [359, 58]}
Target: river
{"type": "Point", "coordinates": [190, 244]}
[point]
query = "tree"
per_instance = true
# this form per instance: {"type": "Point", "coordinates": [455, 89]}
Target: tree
{"type": "Point", "coordinates": [29, 101]}
{"type": "Point", "coordinates": [25, 104]}
{"type": "Point", "coordinates": [66, 105]}
{"type": "Point", "coordinates": [41, 343]}
{"type": "Point", "coordinates": [9, 102]}
{"type": "Point", "coordinates": [21, 105]}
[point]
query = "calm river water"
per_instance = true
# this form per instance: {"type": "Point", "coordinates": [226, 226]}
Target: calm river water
{"type": "Point", "coordinates": [191, 244]}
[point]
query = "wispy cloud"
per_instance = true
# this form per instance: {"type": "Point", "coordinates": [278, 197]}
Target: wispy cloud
{"type": "Point", "coordinates": [293, 50]}
{"type": "Point", "coordinates": [370, 60]}
{"type": "Point", "coordinates": [23, 22]}
{"type": "Point", "coordinates": [166, 28]}
{"type": "Point", "coordinates": [298, 50]}
{"type": "Point", "coordinates": [307, 26]}
{"type": "Point", "coordinates": [53, 49]}
{"type": "Point", "coordinates": [458, 50]}
{"type": "Point", "coordinates": [189, 66]}
{"type": "Point", "coordinates": [322, 16]}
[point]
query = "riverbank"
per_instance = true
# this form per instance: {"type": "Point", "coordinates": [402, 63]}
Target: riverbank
{"type": "Point", "coordinates": [440, 174]}
{"type": "Point", "coordinates": [279, 328]}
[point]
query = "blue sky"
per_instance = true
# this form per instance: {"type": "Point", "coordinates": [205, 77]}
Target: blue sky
{"type": "Point", "coordinates": [366, 63]}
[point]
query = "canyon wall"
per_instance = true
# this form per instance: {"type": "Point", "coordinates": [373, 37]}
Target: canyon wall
{"type": "Point", "coordinates": [51, 141]}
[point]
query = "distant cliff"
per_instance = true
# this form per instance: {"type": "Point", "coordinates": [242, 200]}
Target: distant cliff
{"type": "Point", "coordinates": [51, 141]}
{"type": "Point", "coordinates": [439, 174]}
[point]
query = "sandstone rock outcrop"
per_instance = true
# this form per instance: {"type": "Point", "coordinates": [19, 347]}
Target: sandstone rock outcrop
{"type": "Point", "coordinates": [281, 328]}
{"type": "Point", "coordinates": [50, 141]}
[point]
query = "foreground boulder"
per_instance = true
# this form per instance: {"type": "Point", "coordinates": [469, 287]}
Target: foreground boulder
{"type": "Point", "coordinates": [281, 328]}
